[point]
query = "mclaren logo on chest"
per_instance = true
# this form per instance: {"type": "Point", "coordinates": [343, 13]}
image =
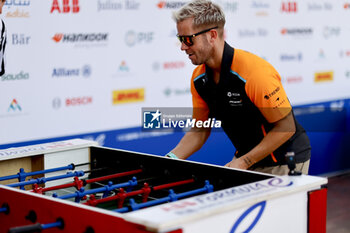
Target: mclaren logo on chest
{"type": "Point", "coordinates": [234, 99]}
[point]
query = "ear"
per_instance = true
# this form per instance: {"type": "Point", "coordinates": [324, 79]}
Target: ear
{"type": "Point", "coordinates": [213, 35]}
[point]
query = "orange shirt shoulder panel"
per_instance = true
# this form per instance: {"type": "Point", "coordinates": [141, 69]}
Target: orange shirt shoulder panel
{"type": "Point", "coordinates": [263, 85]}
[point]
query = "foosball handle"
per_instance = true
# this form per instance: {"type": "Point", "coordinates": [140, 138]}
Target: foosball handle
{"type": "Point", "coordinates": [27, 229]}
{"type": "Point", "coordinates": [37, 227]}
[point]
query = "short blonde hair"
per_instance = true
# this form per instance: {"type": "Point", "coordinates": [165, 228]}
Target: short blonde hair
{"type": "Point", "coordinates": [203, 12]}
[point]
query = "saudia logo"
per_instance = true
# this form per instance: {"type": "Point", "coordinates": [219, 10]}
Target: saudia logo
{"type": "Point", "coordinates": [17, 8]}
{"type": "Point", "coordinates": [153, 120]}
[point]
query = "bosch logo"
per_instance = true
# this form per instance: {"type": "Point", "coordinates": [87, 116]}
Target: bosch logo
{"type": "Point", "coordinates": [78, 101]}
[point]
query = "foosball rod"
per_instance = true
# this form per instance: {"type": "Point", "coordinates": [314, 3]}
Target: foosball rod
{"type": "Point", "coordinates": [145, 191]}
{"type": "Point", "coordinates": [78, 195]}
{"type": "Point", "coordinates": [22, 175]}
{"type": "Point", "coordinates": [43, 180]}
{"type": "Point", "coordinates": [37, 227]}
{"type": "Point", "coordinates": [77, 183]}
{"type": "Point", "coordinates": [170, 198]}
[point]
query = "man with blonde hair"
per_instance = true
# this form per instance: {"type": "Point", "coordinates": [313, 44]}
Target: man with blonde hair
{"type": "Point", "coordinates": [241, 90]}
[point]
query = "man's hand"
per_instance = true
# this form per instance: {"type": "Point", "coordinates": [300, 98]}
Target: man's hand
{"type": "Point", "coordinates": [241, 163]}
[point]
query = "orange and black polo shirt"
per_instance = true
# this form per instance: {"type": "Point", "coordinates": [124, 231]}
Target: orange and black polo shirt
{"type": "Point", "coordinates": [248, 99]}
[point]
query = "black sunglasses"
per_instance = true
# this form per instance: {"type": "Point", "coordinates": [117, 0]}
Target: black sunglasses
{"type": "Point", "coordinates": [188, 40]}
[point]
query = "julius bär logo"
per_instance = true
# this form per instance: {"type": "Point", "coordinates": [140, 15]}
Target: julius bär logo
{"type": "Point", "coordinates": [66, 6]}
{"type": "Point", "coordinates": [151, 119]}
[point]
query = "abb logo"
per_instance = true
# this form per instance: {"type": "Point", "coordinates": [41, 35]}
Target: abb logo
{"type": "Point", "coordinates": [79, 101]}
{"type": "Point", "coordinates": [66, 6]}
{"type": "Point", "coordinates": [289, 7]}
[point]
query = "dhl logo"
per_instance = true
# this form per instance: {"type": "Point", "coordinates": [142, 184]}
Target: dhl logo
{"type": "Point", "coordinates": [128, 96]}
{"type": "Point", "coordinates": [324, 76]}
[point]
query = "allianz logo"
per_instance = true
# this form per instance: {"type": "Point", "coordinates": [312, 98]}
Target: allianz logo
{"type": "Point", "coordinates": [291, 57]}
{"type": "Point", "coordinates": [85, 71]}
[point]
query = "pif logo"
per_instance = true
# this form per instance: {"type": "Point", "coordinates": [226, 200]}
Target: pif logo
{"type": "Point", "coordinates": [128, 96]}
{"type": "Point", "coordinates": [66, 6]}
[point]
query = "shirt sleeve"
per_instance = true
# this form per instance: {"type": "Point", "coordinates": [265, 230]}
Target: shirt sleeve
{"type": "Point", "coordinates": [200, 107]}
{"type": "Point", "coordinates": [265, 90]}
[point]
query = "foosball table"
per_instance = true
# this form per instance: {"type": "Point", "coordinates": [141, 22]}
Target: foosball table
{"type": "Point", "coordinates": [77, 186]}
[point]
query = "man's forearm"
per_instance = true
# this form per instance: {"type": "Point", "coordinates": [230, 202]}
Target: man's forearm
{"type": "Point", "coordinates": [279, 134]}
{"type": "Point", "coordinates": [190, 143]}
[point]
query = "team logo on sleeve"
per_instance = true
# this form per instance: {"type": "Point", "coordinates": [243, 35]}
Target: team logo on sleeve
{"type": "Point", "coordinates": [274, 92]}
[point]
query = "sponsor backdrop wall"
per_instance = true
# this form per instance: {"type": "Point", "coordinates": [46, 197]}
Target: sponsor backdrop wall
{"type": "Point", "coordinates": [85, 68]}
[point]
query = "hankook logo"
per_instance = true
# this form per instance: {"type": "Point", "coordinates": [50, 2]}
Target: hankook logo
{"type": "Point", "coordinates": [80, 37]}
{"type": "Point", "coordinates": [170, 4]}
{"type": "Point", "coordinates": [297, 31]}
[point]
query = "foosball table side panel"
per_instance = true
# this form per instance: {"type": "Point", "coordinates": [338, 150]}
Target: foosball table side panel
{"type": "Point", "coordinates": [76, 218]}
